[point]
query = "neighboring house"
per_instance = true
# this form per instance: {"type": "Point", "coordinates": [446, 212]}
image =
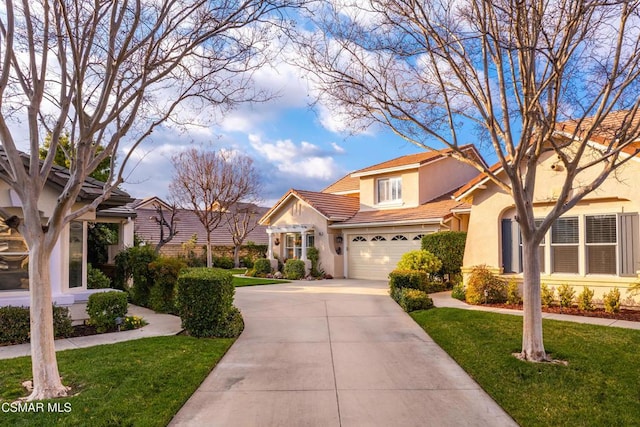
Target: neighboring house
{"type": "Point", "coordinates": [595, 244]}
{"type": "Point", "coordinates": [188, 225]}
{"type": "Point", "coordinates": [68, 267]}
{"type": "Point", "coordinates": [364, 222]}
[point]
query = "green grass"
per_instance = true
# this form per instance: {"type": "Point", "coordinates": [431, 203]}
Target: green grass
{"type": "Point", "coordinates": [134, 383]}
{"type": "Point", "coordinates": [599, 386]}
{"type": "Point", "coordinates": [237, 270]}
{"type": "Point", "coordinates": [253, 281]}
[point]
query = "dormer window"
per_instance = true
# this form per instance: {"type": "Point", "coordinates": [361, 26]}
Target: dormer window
{"type": "Point", "coordinates": [390, 190]}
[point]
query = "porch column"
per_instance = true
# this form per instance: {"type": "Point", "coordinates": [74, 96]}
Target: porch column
{"type": "Point", "coordinates": [303, 255]}
{"type": "Point", "coordinates": [270, 245]}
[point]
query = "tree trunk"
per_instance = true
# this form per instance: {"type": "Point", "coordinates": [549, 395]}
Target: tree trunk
{"type": "Point", "coordinates": [532, 344]}
{"type": "Point", "coordinates": [209, 256]}
{"type": "Point", "coordinates": [46, 378]}
{"type": "Point", "coordinates": [236, 256]}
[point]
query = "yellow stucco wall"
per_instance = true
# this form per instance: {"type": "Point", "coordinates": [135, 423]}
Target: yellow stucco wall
{"type": "Point", "coordinates": [489, 206]}
{"type": "Point", "coordinates": [443, 176]}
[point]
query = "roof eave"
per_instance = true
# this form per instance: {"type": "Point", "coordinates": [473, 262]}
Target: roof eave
{"type": "Point", "coordinates": [438, 220]}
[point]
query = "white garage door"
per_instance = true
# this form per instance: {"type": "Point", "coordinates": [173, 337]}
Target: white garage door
{"type": "Point", "coordinates": [374, 256]}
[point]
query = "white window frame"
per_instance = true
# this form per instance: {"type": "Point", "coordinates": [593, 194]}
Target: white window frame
{"type": "Point", "coordinates": [587, 245]}
{"type": "Point", "coordinates": [385, 189]}
{"type": "Point", "coordinates": [577, 245]}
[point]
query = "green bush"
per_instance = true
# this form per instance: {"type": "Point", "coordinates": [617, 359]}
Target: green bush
{"type": "Point", "coordinates": [410, 279]}
{"type": "Point", "coordinates": [566, 294]}
{"type": "Point", "coordinates": [204, 300]}
{"type": "Point", "coordinates": [611, 301]}
{"type": "Point", "coordinates": [448, 246]}
{"type": "Point", "coordinates": [435, 286]}
{"type": "Point", "coordinates": [133, 263]}
{"type": "Point", "coordinates": [247, 261]}
{"type": "Point", "coordinates": [411, 299]}
{"type": "Point", "coordinates": [459, 292]}
{"type": "Point", "coordinates": [294, 269]}
{"type": "Point", "coordinates": [485, 287]}
{"type": "Point", "coordinates": [585, 299]}
{"type": "Point", "coordinates": [313, 255]}
{"type": "Point", "coordinates": [420, 260]}
{"type": "Point", "coordinates": [547, 295]}
{"type": "Point", "coordinates": [223, 262]}
{"type": "Point", "coordinates": [232, 325]}
{"type": "Point", "coordinates": [165, 273]}
{"type": "Point", "coordinates": [15, 325]}
{"type": "Point", "coordinates": [262, 267]}
{"type": "Point", "coordinates": [513, 295]}
{"type": "Point", "coordinates": [96, 279]}
{"type": "Point", "coordinates": [104, 307]}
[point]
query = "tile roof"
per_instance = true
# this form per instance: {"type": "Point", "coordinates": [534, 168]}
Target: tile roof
{"type": "Point", "coordinates": [411, 159]}
{"type": "Point", "coordinates": [437, 209]}
{"type": "Point", "coordinates": [333, 206]}
{"type": "Point", "coordinates": [189, 224]}
{"type": "Point", "coordinates": [345, 184]}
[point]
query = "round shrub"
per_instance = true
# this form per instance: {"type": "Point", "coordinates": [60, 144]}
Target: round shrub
{"type": "Point", "coordinates": [420, 260]}
{"type": "Point", "coordinates": [448, 246]}
{"type": "Point", "coordinates": [411, 279]}
{"type": "Point", "coordinates": [232, 326]}
{"type": "Point", "coordinates": [224, 263]}
{"type": "Point", "coordinates": [165, 273]}
{"type": "Point", "coordinates": [204, 300]}
{"type": "Point", "coordinates": [294, 269]}
{"type": "Point", "coordinates": [96, 279]}
{"type": "Point", "coordinates": [485, 287]}
{"type": "Point", "coordinates": [104, 307]}
{"type": "Point", "coordinates": [15, 324]}
{"type": "Point", "coordinates": [262, 267]}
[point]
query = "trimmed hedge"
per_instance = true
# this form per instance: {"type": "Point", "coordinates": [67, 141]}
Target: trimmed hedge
{"type": "Point", "coordinates": [448, 246]}
{"type": "Point", "coordinates": [294, 269]}
{"type": "Point", "coordinates": [411, 279]}
{"type": "Point", "coordinates": [96, 279]}
{"type": "Point", "coordinates": [15, 325]}
{"type": "Point", "coordinates": [411, 299]}
{"type": "Point", "coordinates": [133, 263]}
{"type": "Point", "coordinates": [223, 262]}
{"type": "Point", "coordinates": [205, 302]}
{"type": "Point", "coordinates": [165, 273]}
{"type": "Point", "coordinates": [104, 307]}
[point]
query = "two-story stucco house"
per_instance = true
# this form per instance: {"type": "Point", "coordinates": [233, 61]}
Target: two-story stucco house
{"type": "Point", "coordinates": [364, 222]}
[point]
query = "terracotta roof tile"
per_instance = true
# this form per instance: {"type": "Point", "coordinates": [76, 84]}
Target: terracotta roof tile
{"type": "Point", "coordinates": [436, 209]}
{"type": "Point", "coordinates": [344, 184]}
{"type": "Point", "coordinates": [418, 158]}
{"type": "Point", "coordinates": [333, 206]}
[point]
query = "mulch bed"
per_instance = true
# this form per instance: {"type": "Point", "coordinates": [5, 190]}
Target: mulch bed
{"type": "Point", "coordinates": [623, 314]}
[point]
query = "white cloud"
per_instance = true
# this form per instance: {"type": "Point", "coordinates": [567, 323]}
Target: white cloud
{"type": "Point", "coordinates": [303, 160]}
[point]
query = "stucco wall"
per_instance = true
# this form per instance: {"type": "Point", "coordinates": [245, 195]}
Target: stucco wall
{"type": "Point", "coordinates": [443, 176]}
{"type": "Point", "coordinates": [491, 205]}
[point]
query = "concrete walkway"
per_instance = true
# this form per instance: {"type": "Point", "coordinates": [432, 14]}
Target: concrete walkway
{"type": "Point", "coordinates": [335, 353]}
{"type": "Point", "coordinates": [159, 325]}
{"type": "Point", "coordinates": [443, 299]}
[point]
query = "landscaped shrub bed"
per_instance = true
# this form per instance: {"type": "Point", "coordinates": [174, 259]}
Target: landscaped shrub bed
{"type": "Point", "coordinates": [294, 269]}
{"type": "Point", "coordinates": [410, 279]}
{"type": "Point", "coordinates": [484, 287]}
{"type": "Point", "coordinates": [262, 267]}
{"type": "Point", "coordinates": [105, 307]}
{"type": "Point", "coordinates": [411, 299]}
{"type": "Point", "coordinates": [205, 303]}
{"type": "Point", "coordinates": [15, 327]}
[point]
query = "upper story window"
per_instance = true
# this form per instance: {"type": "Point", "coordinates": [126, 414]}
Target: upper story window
{"type": "Point", "coordinates": [389, 190]}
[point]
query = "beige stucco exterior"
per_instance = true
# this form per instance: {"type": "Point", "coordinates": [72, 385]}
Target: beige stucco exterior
{"type": "Point", "coordinates": [490, 205]}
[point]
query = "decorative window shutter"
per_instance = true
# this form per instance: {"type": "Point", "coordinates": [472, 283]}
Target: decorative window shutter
{"type": "Point", "coordinates": [511, 254]}
{"type": "Point", "coordinates": [629, 244]}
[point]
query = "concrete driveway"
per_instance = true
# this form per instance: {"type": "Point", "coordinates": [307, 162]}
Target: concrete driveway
{"type": "Point", "coordinates": [335, 353]}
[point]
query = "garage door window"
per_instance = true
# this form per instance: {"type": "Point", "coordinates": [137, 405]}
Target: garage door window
{"type": "Point", "coordinates": [399, 237]}
{"type": "Point", "coordinates": [378, 239]}
{"type": "Point", "coordinates": [359, 239]}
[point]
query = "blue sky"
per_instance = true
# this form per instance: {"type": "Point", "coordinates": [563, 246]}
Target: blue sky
{"type": "Point", "coordinates": [292, 145]}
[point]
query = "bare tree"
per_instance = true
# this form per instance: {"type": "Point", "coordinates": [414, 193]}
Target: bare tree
{"type": "Point", "coordinates": [210, 183]}
{"type": "Point", "coordinates": [530, 79]}
{"type": "Point", "coordinates": [170, 225]}
{"type": "Point", "coordinates": [241, 220]}
{"type": "Point", "coordinates": [106, 72]}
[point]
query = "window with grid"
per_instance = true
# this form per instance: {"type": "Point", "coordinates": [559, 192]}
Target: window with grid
{"type": "Point", "coordinates": [389, 190]}
{"type": "Point", "coordinates": [601, 244]}
{"type": "Point", "coordinates": [564, 245]}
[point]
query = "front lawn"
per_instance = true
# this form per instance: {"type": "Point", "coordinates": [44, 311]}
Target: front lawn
{"type": "Point", "coordinates": [253, 281]}
{"type": "Point", "coordinates": [138, 383]}
{"type": "Point", "coordinates": [599, 386]}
